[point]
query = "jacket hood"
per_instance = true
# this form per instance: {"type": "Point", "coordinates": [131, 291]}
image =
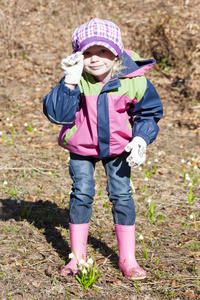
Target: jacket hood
{"type": "Point", "coordinates": [134, 65]}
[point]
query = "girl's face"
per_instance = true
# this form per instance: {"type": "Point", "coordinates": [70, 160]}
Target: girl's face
{"type": "Point", "coordinates": [99, 61]}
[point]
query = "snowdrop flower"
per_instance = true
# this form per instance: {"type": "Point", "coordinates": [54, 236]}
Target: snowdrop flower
{"type": "Point", "coordinates": [191, 216]}
{"type": "Point", "coordinates": [86, 265]}
{"type": "Point", "coordinates": [195, 168]}
{"type": "Point", "coordinates": [140, 168]}
{"type": "Point", "coordinates": [149, 200]}
{"type": "Point", "coordinates": [11, 124]}
{"type": "Point", "coordinates": [159, 153]}
{"type": "Point", "coordinates": [189, 163]}
{"type": "Point", "coordinates": [5, 182]}
{"type": "Point", "coordinates": [182, 160]}
{"type": "Point", "coordinates": [190, 184]}
{"type": "Point", "coordinates": [7, 119]}
{"type": "Point", "coordinates": [82, 262]}
{"type": "Point", "coordinates": [25, 124]}
{"type": "Point", "coordinates": [84, 271]}
{"type": "Point", "coordinates": [71, 255]}
{"type": "Point", "coordinates": [0, 132]}
{"type": "Point", "coordinates": [90, 261]}
{"type": "Point", "coordinates": [141, 237]}
{"type": "Point", "coordinates": [146, 179]}
{"type": "Point", "coordinates": [187, 177]}
{"type": "Point", "coordinates": [35, 129]}
{"type": "Point", "coordinates": [149, 162]}
{"type": "Point", "coordinates": [193, 159]}
{"type": "Point", "coordinates": [156, 160]}
{"type": "Point", "coordinates": [80, 268]}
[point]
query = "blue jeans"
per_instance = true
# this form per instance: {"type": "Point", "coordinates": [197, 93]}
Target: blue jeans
{"type": "Point", "coordinates": [81, 169]}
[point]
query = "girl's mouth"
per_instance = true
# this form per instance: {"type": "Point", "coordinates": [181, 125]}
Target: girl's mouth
{"type": "Point", "coordinates": [96, 67]}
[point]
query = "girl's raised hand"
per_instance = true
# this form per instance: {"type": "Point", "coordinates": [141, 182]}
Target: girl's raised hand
{"type": "Point", "coordinates": [73, 67]}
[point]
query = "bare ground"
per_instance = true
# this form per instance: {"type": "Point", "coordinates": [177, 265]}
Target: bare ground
{"type": "Point", "coordinates": [34, 180]}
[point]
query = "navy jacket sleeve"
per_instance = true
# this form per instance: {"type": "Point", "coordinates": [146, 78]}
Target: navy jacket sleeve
{"type": "Point", "coordinates": [61, 104]}
{"type": "Point", "coordinates": [146, 114]}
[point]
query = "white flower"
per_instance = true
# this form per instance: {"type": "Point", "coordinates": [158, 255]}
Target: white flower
{"type": "Point", "coordinates": [90, 261]}
{"type": "Point", "coordinates": [80, 267]}
{"type": "Point", "coordinates": [5, 182]}
{"type": "Point", "coordinates": [25, 124]}
{"type": "Point", "coordinates": [140, 168]}
{"type": "Point", "coordinates": [182, 160]}
{"type": "Point", "coordinates": [71, 255]}
{"type": "Point", "coordinates": [191, 216]}
{"type": "Point", "coordinates": [0, 132]}
{"type": "Point", "coordinates": [146, 179]}
{"type": "Point", "coordinates": [84, 271]}
{"type": "Point", "coordinates": [156, 160]}
{"type": "Point", "coordinates": [7, 119]}
{"type": "Point", "coordinates": [82, 262]}
{"type": "Point", "coordinates": [189, 163]}
{"type": "Point", "coordinates": [159, 153]}
{"type": "Point", "coordinates": [149, 162]}
{"type": "Point", "coordinates": [11, 124]}
{"type": "Point", "coordinates": [193, 159]}
{"type": "Point", "coordinates": [35, 129]}
{"type": "Point", "coordinates": [190, 184]}
{"type": "Point", "coordinates": [149, 200]}
{"type": "Point", "coordinates": [195, 168]}
{"type": "Point", "coordinates": [187, 178]}
{"type": "Point", "coordinates": [86, 265]}
{"type": "Point", "coordinates": [141, 237]}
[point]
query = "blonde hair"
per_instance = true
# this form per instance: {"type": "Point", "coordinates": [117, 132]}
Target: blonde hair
{"type": "Point", "coordinates": [117, 67]}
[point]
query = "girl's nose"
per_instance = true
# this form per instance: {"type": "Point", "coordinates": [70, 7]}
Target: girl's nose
{"type": "Point", "coordinates": [94, 58]}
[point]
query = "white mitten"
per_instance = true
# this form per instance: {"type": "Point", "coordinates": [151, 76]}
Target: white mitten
{"type": "Point", "coordinates": [137, 147]}
{"type": "Point", "coordinates": [73, 68]}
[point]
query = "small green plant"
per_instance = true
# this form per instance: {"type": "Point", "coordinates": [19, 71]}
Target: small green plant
{"type": "Point", "coordinates": [190, 196]}
{"type": "Point", "coordinates": [25, 211]}
{"type": "Point", "coordinates": [164, 64]}
{"type": "Point", "coordinates": [152, 210]}
{"type": "Point", "coordinates": [11, 229]}
{"type": "Point", "coordinates": [30, 129]}
{"type": "Point", "coordinates": [137, 287]}
{"type": "Point", "coordinates": [145, 249]}
{"type": "Point", "coordinates": [12, 129]}
{"type": "Point", "coordinates": [88, 273]}
{"type": "Point", "coordinates": [106, 205]}
{"type": "Point", "coordinates": [147, 173]}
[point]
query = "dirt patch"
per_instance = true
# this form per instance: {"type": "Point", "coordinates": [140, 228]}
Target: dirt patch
{"type": "Point", "coordinates": [34, 180]}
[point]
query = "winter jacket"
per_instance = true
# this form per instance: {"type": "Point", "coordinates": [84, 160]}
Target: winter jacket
{"type": "Point", "coordinates": [100, 120]}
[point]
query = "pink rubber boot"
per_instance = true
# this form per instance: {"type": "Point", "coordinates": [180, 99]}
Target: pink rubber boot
{"type": "Point", "coordinates": [78, 239]}
{"type": "Point", "coordinates": [126, 245]}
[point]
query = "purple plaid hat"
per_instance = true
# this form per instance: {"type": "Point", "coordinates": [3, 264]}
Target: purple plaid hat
{"type": "Point", "coordinates": [98, 32]}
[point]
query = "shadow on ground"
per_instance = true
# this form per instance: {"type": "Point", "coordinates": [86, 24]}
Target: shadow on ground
{"type": "Point", "coordinates": [48, 217]}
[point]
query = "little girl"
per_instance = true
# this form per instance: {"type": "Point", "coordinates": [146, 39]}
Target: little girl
{"type": "Point", "coordinates": [109, 112]}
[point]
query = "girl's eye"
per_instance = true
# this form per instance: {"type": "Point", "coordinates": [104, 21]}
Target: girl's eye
{"type": "Point", "coordinates": [86, 53]}
{"type": "Point", "coordinates": [102, 51]}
